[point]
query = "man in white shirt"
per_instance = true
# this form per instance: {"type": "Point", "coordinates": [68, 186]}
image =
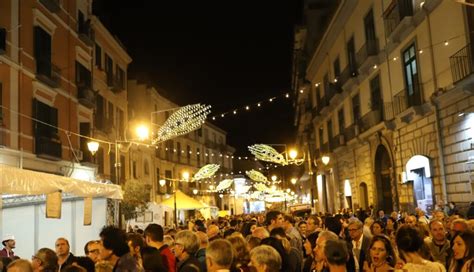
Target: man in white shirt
{"type": "Point", "coordinates": [359, 242]}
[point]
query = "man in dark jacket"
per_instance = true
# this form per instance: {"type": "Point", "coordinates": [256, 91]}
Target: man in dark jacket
{"type": "Point", "coordinates": [154, 238]}
{"type": "Point", "coordinates": [185, 247]}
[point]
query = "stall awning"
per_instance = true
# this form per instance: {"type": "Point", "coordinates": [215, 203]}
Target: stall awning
{"type": "Point", "coordinates": [183, 202]}
{"type": "Point", "coordinates": [26, 182]}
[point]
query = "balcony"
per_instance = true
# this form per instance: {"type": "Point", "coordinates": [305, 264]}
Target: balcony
{"type": "Point", "coordinates": [104, 124]}
{"type": "Point", "coordinates": [52, 5]}
{"type": "Point", "coordinates": [115, 84]}
{"type": "Point", "coordinates": [86, 33]}
{"type": "Point", "coordinates": [371, 119]}
{"type": "Point", "coordinates": [337, 141]}
{"type": "Point", "coordinates": [86, 95]}
{"type": "Point", "coordinates": [367, 55]}
{"type": "Point", "coordinates": [402, 101]}
{"type": "Point", "coordinates": [461, 64]}
{"type": "Point", "coordinates": [397, 17]}
{"type": "Point", "coordinates": [48, 147]}
{"type": "Point", "coordinates": [48, 73]}
{"type": "Point", "coordinates": [351, 132]}
{"type": "Point", "coordinates": [347, 77]}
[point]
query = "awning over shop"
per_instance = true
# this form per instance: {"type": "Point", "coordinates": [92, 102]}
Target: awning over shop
{"type": "Point", "coordinates": [183, 202]}
{"type": "Point", "coordinates": [26, 182]}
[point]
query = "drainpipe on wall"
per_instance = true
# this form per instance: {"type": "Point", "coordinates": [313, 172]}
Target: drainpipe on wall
{"type": "Point", "coordinates": [439, 140]}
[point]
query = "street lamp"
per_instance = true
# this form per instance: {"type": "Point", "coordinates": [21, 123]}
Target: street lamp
{"type": "Point", "coordinates": [293, 154]}
{"type": "Point", "coordinates": [93, 146]}
{"type": "Point", "coordinates": [142, 132]}
{"type": "Point", "coordinates": [325, 159]}
{"type": "Point", "coordinates": [162, 182]}
{"type": "Point", "coordinates": [293, 181]}
{"type": "Point", "coordinates": [195, 191]}
{"type": "Point", "coordinates": [274, 178]}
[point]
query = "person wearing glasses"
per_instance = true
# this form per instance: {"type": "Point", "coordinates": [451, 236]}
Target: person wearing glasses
{"type": "Point", "coordinates": [92, 250]}
{"type": "Point", "coordinates": [185, 247]}
{"type": "Point", "coordinates": [359, 243]}
{"type": "Point", "coordinates": [45, 260]}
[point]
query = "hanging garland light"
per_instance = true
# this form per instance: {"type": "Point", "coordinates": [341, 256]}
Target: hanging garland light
{"type": "Point", "coordinates": [261, 187]}
{"type": "Point", "coordinates": [226, 183]}
{"type": "Point", "coordinates": [183, 121]}
{"type": "Point", "coordinates": [206, 171]}
{"type": "Point", "coordinates": [267, 153]}
{"type": "Point", "coordinates": [256, 176]}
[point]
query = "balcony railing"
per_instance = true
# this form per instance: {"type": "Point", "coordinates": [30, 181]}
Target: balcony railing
{"type": "Point", "coordinates": [86, 95]}
{"type": "Point", "coordinates": [370, 48]}
{"type": "Point", "coordinates": [86, 33]}
{"type": "Point", "coordinates": [115, 84]}
{"type": "Point", "coordinates": [371, 119]}
{"type": "Point", "coordinates": [51, 5]}
{"type": "Point", "coordinates": [48, 147]}
{"type": "Point", "coordinates": [334, 88]}
{"type": "Point", "coordinates": [48, 73]}
{"type": "Point", "coordinates": [337, 141]}
{"type": "Point", "coordinates": [461, 63]}
{"type": "Point", "coordinates": [402, 101]}
{"type": "Point", "coordinates": [350, 132]}
{"type": "Point", "coordinates": [395, 13]}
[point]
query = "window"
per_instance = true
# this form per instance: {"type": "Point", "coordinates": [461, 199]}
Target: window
{"type": "Point", "coordinates": [370, 38]}
{"type": "Point", "coordinates": [111, 112]}
{"type": "Point", "coordinates": [326, 85]}
{"type": "Point", "coordinates": [42, 52]}
{"type": "Point", "coordinates": [120, 123]}
{"type": "Point", "coordinates": [318, 96]}
{"type": "Point", "coordinates": [337, 68]}
{"type": "Point", "coordinates": [340, 120]}
{"type": "Point", "coordinates": [188, 153]}
{"type": "Point", "coordinates": [80, 22]}
{"type": "Point", "coordinates": [168, 177]}
{"type": "Point", "coordinates": [411, 76]}
{"type": "Point", "coordinates": [100, 160]}
{"type": "Point", "coordinates": [375, 93]}
{"type": "Point", "coordinates": [109, 70]}
{"type": "Point", "coordinates": [83, 76]}
{"type": "Point", "coordinates": [351, 56]}
{"type": "Point", "coordinates": [112, 168]}
{"type": "Point", "coordinates": [120, 77]}
{"type": "Point", "coordinates": [158, 186]}
{"type": "Point", "coordinates": [3, 40]}
{"type": "Point", "coordinates": [134, 169]}
{"type": "Point", "coordinates": [199, 132]}
{"type": "Point", "coordinates": [356, 108]}
{"type": "Point", "coordinates": [330, 130]}
{"type": "Point", "coordinates": [98, 56]}
{"type": "Point", "coordinates": [321, 136]}
{"type": "Point", "coordinates": [146, 168]}
{"type": "Point", "coordinates": [198, 157]}
{"type": "Point", "coordinates": [48, 115]}
{"type": "Point", "coordinates": [178, 144]}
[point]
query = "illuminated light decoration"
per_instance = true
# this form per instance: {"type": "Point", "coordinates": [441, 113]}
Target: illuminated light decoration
{"type": "Point", "coordinates": [222, 115]}
{"type": "Point", "coordinates": [183, 121]}
{"type": "Point", "coordinates": [375, 66]}
{"type": "Point", "coordinates": [235, 112]}
{"type": "Point", "coordinates": [325, 159]}
{"type": "Point", "coordinates": [213, 118]}
{"type": "Point", "coordinates": [271, 99]}
{"type": "Point", "coordinates": [162, 182]}
{"type": "Point", "coordinates": [287, 95]}
{"type": "Point", "coordinates": [247, 108]}
{"type": "Point", "coordinates": [421, 51]}
{"type": "Point", "coordinates": [93, 147]}
{"type": "Point", "coordinates": [317, 84]}
{"type": "Point", "coordinates": [261, 187]}
{"type": "Point", "coordinates": [267, 153]}
{"type": "Point", "coordinates": [256, 176]}
{"type": "Point", "coordinates": [226, 183]}
{"type": "Point", "coordinates": [301, 91]}
{"type": "Point", "coordinates": [335, 80]}
{"type": "Point", "coordinates": [206, 171]}
{"type": "Point", "coordinates": [258, 105]}
{"type": "Point", "coordinates": [446, 43]}
{"type": "Point", "coordinates": [395, 58]}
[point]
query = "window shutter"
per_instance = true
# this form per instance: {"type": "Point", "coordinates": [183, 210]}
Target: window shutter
{"type": "Point", "coordinates": [3, 39]}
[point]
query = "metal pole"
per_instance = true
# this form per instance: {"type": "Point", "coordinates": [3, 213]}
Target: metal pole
{"type": "Point", "coordinates": [175, 209]}
{"type": "Point", "coordinates": [117, 176]}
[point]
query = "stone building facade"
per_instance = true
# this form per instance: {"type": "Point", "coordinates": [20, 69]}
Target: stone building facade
{"type": "Point", "coordinates": [386, 94]}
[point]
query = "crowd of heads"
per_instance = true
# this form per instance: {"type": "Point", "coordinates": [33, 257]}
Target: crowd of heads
{"type": "Point", "coordinates": [274, 241]}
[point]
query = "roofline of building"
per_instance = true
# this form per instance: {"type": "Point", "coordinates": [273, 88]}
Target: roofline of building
{"type": "Point", "coordinates": [338, 21]}
{"type": "Point", "coordinates": [115, 44]}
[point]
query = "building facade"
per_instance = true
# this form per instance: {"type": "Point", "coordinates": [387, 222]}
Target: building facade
{"type": "Point", "coordinates": [386, 95]}
{"type": "Point", "coordinates": [49, 82]}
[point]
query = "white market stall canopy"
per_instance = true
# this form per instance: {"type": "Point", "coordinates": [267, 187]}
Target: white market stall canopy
{"type": "Point", "coordinates": [26, 182]}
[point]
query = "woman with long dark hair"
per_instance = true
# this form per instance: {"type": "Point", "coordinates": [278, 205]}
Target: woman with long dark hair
{"type": "Point", "coordinates": [463, 252]}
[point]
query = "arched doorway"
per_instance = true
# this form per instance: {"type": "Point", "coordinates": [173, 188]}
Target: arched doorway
{"type": "Point", "coordinates": [383, 166]}
{"type": "Point", "coordinates": [364, 196]}
{"type": "Point", "coordinates": [419, 172]}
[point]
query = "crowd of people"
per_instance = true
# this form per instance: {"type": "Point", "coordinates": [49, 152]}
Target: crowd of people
{"type": "Point", "coordinates": [270, 242]}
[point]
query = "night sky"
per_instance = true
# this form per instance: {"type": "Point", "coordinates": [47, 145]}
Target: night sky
{"type": "Point", "coordinates": [228, 54]}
